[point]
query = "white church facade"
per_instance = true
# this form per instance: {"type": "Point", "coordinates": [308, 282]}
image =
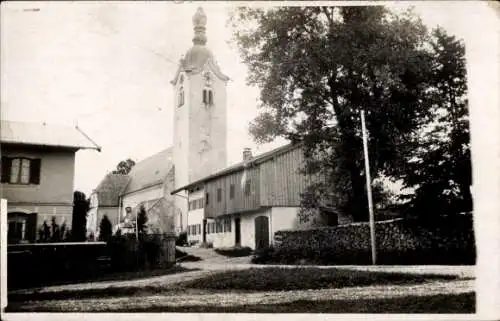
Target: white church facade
{"type": "Point", "coordinates": [188, 186]}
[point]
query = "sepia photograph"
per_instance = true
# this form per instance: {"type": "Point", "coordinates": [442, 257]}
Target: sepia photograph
{"type": "Point", "coordinates": [198, 157]}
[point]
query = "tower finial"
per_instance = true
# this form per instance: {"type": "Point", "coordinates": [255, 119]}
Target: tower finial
{"type": "Point", "coordinates": [200, 23]}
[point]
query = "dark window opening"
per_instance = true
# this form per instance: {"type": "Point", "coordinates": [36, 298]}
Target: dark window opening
{"type": "Point", "coordinates": [219, 195]}
{"type": "Point", "coordinates": [248, 187]}
{"type": "Point", "coordinates": [21, 170]}
{"type": "Point", "coordinates": [231, 191]}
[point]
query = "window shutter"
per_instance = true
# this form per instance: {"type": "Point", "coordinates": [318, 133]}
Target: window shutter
{"type": "Point", "coordinates": [210, 97]}
{"type": "Point", "coordinates": [31, 224]}
{"type": "Point", "coordinates": [204, 96]}
{"type": "Point", "coordinates": [6, 165]}
{"type": "Point", "coordinates": [35, 166]}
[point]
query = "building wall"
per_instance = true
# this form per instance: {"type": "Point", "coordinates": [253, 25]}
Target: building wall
{"type": "Point", "coordinates": [248, 227]}
{"type": "Point", "coordinates": [222, 239]}
{"type": "Point", "coordinates": [135, 198]}
{"type": "Point", "coordinates": [111, 212]}
{"type": "Point", "coordinates": [56, 178]}
{"type": "Point", "coordinates": [280, 179]}
{"type": "Point", "coordinates": [195, 218]}
{"type": "Point", "coordinates": [241, 202]}
{"type": "Point", "coordinates": [63, 214]}
{"type": "Point", "coordinates": [207, 126]}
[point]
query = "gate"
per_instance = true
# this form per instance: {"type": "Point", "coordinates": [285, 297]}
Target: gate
{"type": "Point", "coordinates": [261, 232]}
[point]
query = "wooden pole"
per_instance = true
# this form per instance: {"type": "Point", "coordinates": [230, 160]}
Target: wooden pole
{"type": "Point", "coordinates": [369, 188]}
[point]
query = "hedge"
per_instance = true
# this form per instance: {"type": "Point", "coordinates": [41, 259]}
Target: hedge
{"type": "Point", "coordinates": [399, 242]}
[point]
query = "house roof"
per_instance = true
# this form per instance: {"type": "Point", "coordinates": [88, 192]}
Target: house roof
{"type": "Point", "coordinates": [110, 188]}
{"type": "Point", "coordinates": [242, 165]}
{"type": "Point", "coordinates": [44, 134]}
{"type": "Point", "coordinates": [150, 171]}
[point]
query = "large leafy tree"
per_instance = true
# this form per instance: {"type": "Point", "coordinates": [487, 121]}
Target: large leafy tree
{"type": "Point", "coordinates": [439, 167]}
{"type": "Point", "coordinates": [124, 167]}
{"type": "Point", "coordinates": [317, 68]}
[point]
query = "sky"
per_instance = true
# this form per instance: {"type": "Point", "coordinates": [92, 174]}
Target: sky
{"type": "Point", "coordinates": [107, 67]}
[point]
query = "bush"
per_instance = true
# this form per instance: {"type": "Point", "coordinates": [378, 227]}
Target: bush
{"type": "Point", "coordinates": [234, 251]}
{"type": "Point", "coordinates": [443, 241]}
{"type": "Point", "coordinates": [105, 229]}
{"type": "Point", "coordinates": [183, 256]}
{"type": "Point", "coordinates": [181, 239]}
{"type": "Point", "coordinates": [206, 245]}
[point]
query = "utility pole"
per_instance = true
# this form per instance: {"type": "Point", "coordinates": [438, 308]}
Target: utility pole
{"type": "Point", "coordinates": [369, 188]}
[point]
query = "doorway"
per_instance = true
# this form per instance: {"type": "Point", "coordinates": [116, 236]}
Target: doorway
{"type": "Point", "coordinates": [237, 231]}
{"type": "Point", "coordinates": [261, 232]}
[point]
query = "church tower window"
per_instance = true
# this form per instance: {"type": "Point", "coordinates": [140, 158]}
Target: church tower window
{"type": "Point", "coordinates": [181, 97]}
{"type": "Point", "coordinates": [208, 96]}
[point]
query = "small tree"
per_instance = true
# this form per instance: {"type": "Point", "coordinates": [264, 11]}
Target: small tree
{"type": "Point", "coordinates": [142, 219]}
{"type": "Point", "coordinates": [44, 232]}
{"type": "Point", "coordinates": [105, 229]}
{"type": "Point", "coordinates": [55, 231]}
{"type": "Point", "coordinates": [81, 206]}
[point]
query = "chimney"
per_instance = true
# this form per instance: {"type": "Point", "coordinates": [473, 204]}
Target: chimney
{"type": "Point", "coordinates": [247, 154]}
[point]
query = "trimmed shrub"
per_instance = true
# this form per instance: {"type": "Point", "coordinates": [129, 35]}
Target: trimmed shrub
{"type": "Point", "coordinates": [443, 241]}
{"type": "Point", "coordinates": [181, 239]}
{"type": "Point", "coordinates": [234, 251]}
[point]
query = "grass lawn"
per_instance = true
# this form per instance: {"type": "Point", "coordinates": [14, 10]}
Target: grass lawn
{"type": "Point", "coordinates": [250, 280]}
{"type": "Point", "coordinates": [452, 303]}
{"type": "Point", "coordinates": [284, 279]}
{"type": "Point", "coordinates": [116, 276]}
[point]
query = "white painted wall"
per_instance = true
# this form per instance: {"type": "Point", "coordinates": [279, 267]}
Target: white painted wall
{"type": "Point", "coordinates": [222, 239]}
{"type": "Point", "coordinates": [135, 198]}
{"type": "Point", "coordinates": [282, 218]}
{"type": "Point", "coordinates": [248, 227]}
{"type": "Point", "coordinates": [196, 217]}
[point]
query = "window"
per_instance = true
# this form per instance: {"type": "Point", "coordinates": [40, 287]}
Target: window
{"type": "Point", "coordinates": [248, 187]}
{"type": "Point", "coordinates": [194, 205]}
{"type": "Point", "coordinates": [180, 99]}
{"type": "Point", "coordinates": [218, 227]}
{"type": "Point", "coordinates": [231, 191]}
{"type": "Point", "coordinates": [219, 195]}
{"type": "Point", "coordinates": [227, 225]}
{"type": "Point", "coordinates": [208, 228]}
{"type": "Point", "coordinates": [213, 227]}
{"type": "Point", "coordinates": [20, 170]}
{"type": "Point", "coordinates": [208, 97]}
{"type": "Point", "coordinates": [199, 228]}
{"type": "Point", "coordinates": [200, 203]}
{"type": "Point", "coordinates": [207, 199]}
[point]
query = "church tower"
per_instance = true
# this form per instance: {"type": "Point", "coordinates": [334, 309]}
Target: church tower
{"type": "Point", "coordinates": [200, 111]}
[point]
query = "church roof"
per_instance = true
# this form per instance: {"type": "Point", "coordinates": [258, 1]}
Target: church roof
{"type": "Point", "coordinates": [199, 54]}
{"type": "Point", "coordinates": [150, 171]}
{"type": "Point", "coordinates": [109, 189]}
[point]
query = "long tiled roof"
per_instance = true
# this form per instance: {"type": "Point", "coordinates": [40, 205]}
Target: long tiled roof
{"type": "Point", "coordinates": [150, 171]}
{"type": "Point", "coordinates": [43, 134]}
{"type": "Point", "coordinates": [110, 189]}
